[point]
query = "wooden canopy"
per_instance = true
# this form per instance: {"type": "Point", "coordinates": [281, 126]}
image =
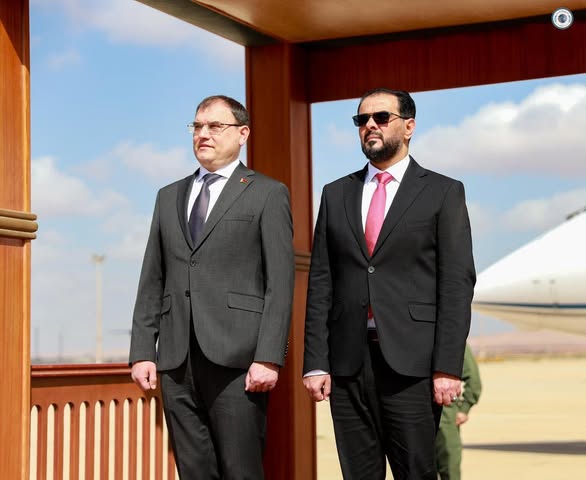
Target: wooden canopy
{"type": "Point", "coordinates": [262, 22]}
{"type": "Point", "coordinates": [297, 53]}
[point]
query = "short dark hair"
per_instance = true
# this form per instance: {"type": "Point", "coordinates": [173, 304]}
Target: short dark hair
{"type": "Point", "coordinates": [238, 110]}
{"type": "Point", "coordinates": [406, 103]}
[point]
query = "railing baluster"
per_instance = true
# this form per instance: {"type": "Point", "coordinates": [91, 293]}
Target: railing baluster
{"type": "Point", "coordinates": [158, 441]}
{"type": "Point", "coordinates": [90, 425]}
{"type": "Point", "coordinates": [170, 462]}
{"type": "Point", "coordinates": [74, 442]}
{"type": "Point", "coordinates": [42, 443]}
{"type": "Point", "coordinates": [144, 440]}
{"type": "Point", "coordinates": [118, 437]}
{"type": "Point", "coordinates": [132, 425]}
{"type": "Point", "coordinates": [105, 442]}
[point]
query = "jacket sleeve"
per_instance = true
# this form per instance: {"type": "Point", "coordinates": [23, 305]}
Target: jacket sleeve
{"type": "Point", "coordinates": [455, 281]}
{"type": "Point", "coordinates": [147, 310]}
{"type": "Point", "coordinates": [279, 268]}
{"type": "Point", "coordinates": [319, 297]}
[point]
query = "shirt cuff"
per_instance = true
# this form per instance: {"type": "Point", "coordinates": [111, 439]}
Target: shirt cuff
{"type": "Point", "coordinates": [313, 373]}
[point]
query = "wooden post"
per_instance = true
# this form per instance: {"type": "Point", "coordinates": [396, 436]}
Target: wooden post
{"type": "Point", "coordinates": [280, 146]}
{"type": "Point", "coordinates": [17, 227]}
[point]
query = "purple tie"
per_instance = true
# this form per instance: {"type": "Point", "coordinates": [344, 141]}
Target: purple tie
{"type": "Point", "coordinates": [376, 211]}
{"type": "Point", "coordinates": [199, 211]}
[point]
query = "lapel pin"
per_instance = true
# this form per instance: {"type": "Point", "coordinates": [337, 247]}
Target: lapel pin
{"type": "Point", "coordinates": [243, 180]}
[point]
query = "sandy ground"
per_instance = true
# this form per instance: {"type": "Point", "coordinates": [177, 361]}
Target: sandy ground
{"type": "Point", "coordinates": [530, 423]}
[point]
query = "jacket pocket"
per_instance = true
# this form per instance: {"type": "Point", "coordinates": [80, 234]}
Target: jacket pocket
{"type": "Point", "coordinates": [422, 312]}
{"type": "Point", "coordinates": [249, 303]}
{"type": "Point", "coordinates": [242, 217]}
{"type": "Point", "coordinates": [419, 225]}
{"type": "Point", "coordinates": [166, 304]}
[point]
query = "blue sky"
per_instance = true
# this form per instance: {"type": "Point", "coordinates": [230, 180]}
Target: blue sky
{"type": "Point", "coordinates": [113, 85]}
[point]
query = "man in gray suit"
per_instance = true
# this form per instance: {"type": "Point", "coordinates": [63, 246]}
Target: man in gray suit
{"type": "Point", "coordinates": [214, 301]}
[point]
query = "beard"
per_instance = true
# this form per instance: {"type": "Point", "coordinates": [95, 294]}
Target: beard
{"type": "Point", "coordinates": [388, 150]}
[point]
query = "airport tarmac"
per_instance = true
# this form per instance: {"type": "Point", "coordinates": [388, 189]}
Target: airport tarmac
{"type": "Point", "coordinates": [530, 423]}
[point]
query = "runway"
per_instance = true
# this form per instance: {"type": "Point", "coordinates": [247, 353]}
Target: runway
{"type": "Point", "coordinates": [530, 423]}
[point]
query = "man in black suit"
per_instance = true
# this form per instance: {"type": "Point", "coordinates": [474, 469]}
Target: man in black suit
{"type": "Point", "coordinates": [214, 301]}
{"type": "Point", "coordinates": [388, 302]}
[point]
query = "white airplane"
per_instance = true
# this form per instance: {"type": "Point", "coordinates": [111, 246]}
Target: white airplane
{"type": "Point", "coordinates": [542, 285]}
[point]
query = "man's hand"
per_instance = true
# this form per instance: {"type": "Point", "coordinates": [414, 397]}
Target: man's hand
{"type": "Point", "coordinates": [446, 388]}
{"type": "Point", "coordinates": [261, 377]}
{"type": "Point", "coordinates": [144, 374]}
{"type": "Point", "coordinates": [318, 387]}
{"type": "Point", "coordinates": [461, 418]}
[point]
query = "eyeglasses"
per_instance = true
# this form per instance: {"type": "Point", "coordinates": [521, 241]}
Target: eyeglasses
{"type": "Point", "coordinates": [379, 117]}
{"type": "Point", "coordinates": [214, 128]}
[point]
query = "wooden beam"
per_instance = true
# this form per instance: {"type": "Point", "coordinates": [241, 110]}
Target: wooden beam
{"type": "Point", "coordinates": [280, 146]}
{"type": "Point", "coordinates": [205, 17]}
{"type": "Point", "coordinates": [446, 58]}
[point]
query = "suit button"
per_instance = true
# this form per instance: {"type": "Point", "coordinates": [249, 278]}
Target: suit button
{"type": "Point", "coordinates": [370, 269]}
{"type": "Point", "coordinates": [193, 263]}
{"type": "Point", "coordinates": [187, 294]}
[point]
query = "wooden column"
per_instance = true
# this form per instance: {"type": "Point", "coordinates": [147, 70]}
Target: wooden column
{"type": "Point", "coordinates": [280, 146]}
{"type": "Point", "coordinates": [17, 227]}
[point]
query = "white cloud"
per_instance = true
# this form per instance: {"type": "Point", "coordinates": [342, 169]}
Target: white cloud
{"type": "Point", "coordinates": [56, 193]}
{"type": "Point", "coordinates": [341, 138]}
{"type": "Point", "coordinates": [532, 216]}
{"type": "Point", "coordinates": [49, 247]}
{"type": "Point", "coordinates": [159, 165]}
{"type": "Point", "coordinates": [133, 232]}
{"type": "Point", "coordinates": [483, 220]}
{"type": "Point", "coordinates": [544, 133]}
{"type": "Point", "coordinates": [100, 169]}
{"type": "Point", "coordinates": [57, 61]}
{"type": "Point", "coordinates": [134, 23]}
{"type": "Point", "coordinates": [544, 213]}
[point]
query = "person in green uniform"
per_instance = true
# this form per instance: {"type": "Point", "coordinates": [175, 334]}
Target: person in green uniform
{"type": "Point", "coordinates": [448, 444]}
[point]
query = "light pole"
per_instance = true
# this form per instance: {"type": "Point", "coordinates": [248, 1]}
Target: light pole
{"type": "Point", "coordinates": [98, 260]}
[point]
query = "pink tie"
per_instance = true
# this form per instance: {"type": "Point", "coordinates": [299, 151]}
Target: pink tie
{"type": "Point", "coordinates": [376, 211]}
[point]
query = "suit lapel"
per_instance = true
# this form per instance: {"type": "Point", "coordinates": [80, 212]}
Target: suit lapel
{"type": "Point", "coordinates": [411, 186]}
{"type": "Point", "coordinates": [239, 181]}
{"type": "Point", "coordinates": [353, 206]}
{"type": "Point", "coordinates": [183, 191]}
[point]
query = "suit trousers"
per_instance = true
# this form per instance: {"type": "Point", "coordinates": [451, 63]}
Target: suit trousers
{"type": "Point", "coordinates": [379, 413]}
{"type": "Point", "coordinates": [217, 430]}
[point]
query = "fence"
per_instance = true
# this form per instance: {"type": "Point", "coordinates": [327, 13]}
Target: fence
{"type": "Point", "coordinates": [91, 422]}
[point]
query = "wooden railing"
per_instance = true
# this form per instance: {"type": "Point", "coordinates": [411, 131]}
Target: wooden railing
{"type": "Point", "coordinates": [90, 422]}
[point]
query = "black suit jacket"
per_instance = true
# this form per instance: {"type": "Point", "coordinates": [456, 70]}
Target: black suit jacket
{"type": "Point", "coordinates": [419, 280]}
{"type": "Point", "coordinates": [235, 283]}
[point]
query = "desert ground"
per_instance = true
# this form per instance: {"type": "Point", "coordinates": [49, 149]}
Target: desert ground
{"type": "Point", "coordinates": [530, 422]}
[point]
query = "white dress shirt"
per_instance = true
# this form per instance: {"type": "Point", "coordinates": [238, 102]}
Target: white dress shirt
{"type": "Point", "coordinates": [215, 188]}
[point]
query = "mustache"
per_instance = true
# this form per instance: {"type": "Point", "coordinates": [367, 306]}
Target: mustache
{"type": "Point", "coordinates": [370, 135]}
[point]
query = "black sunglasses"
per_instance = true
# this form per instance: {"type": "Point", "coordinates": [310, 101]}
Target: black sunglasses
{"type": "Point", "coordinates": [379, 117]}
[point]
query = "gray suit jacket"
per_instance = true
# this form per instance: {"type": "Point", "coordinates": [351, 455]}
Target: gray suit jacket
{"type": "Point", "coordinates": [236, 282]}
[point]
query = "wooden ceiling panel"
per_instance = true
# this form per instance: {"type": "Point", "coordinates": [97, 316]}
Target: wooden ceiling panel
{"type": "Point", "coordinates": [313, 20]}
{"type": "Point", "coordinates": [261, 22]}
